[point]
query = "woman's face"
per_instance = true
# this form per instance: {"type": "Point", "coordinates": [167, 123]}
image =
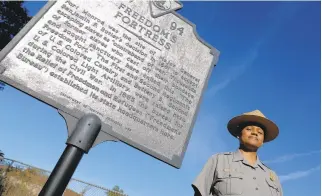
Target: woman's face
{"type": "Point", "coordinates": [252, 137]}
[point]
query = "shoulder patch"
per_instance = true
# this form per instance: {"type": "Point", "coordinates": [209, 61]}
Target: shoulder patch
{"type": "Point", "coordinates": [272, 176]}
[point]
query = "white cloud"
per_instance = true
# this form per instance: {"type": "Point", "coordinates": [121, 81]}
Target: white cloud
{"type": "Point", "coordinates": [276, 22]}
{"type": "Point", "coordinates": [290, 157]}
{"type": "Point", "coordinates": [236, 71]}
{"type": "Point", "coordinates": [297, 174]}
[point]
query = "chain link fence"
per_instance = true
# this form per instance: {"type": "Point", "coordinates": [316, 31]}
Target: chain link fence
{"type": "Point", "coordinates": [17, 178]}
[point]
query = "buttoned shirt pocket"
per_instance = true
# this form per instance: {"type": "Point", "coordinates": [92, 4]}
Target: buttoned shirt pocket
{"type": "Point", "coordinates": [228, 183]}
{"type": "Point", "coordinates": [273, 187]}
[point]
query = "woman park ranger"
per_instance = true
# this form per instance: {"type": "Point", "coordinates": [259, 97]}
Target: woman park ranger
{"type": "Point", "coordinates": [241, 172]}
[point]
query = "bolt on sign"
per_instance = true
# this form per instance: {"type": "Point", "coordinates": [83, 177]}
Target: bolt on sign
{"type": "Point", "coordinates": [138, 65]}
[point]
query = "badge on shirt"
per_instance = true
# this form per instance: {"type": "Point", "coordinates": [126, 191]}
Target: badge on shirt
{"type": "Point", "coordinates": [272, 176]}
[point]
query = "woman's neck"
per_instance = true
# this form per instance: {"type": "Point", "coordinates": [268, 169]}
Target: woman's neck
{"type": "Point", "coordinates": [249, 155]}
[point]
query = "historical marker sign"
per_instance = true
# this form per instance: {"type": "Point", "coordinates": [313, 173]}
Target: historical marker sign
{"type": "Point", "coordinates": [138, 65]}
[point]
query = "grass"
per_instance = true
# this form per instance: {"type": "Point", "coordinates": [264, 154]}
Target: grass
{"type": "Point", "coordinates": [24, 182]}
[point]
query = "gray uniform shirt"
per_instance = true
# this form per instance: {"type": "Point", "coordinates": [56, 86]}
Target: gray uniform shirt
{"type": "Point", "coordinates": [230, 174]}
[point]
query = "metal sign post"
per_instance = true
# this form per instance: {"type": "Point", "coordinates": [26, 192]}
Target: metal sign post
{"type": "Point", "coordinates": [80, 142]}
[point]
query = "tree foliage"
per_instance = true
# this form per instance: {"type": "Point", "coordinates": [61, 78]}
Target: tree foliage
{"type": "Point", "coordinates": [13, 16]}
{"type": "Point", "coordinates": [2, 85]}
{"type": "Point", "coordinates": [116, 191]}
{"type": "Point", "coordinates": [2, 177]}
{"type": "Point", "coordinates": [1, 156]}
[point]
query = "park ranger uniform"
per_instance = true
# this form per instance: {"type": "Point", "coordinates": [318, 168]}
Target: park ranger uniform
{"type": "Point", "coordinates": [230, 174]}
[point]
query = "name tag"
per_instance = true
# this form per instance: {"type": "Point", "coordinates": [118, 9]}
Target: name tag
{"type": "Point", "coordinates": [230, 170]}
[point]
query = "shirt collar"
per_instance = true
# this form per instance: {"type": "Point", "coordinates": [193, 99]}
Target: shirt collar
{"type": "Point", "coordinates": [238, 156]}
{"type": "Point", "coordinates": [260, 164]}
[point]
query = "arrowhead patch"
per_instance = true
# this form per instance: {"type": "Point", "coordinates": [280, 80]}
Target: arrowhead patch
{"type": "Point", "coordinates": [271, 176]}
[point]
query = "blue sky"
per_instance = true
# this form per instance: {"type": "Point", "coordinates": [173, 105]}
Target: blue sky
{"type": "Point", "coordinates": [270, 60]}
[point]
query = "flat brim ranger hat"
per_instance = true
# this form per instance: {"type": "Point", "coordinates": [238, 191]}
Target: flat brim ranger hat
{"type": "Point", "coordinates": [255, 117]}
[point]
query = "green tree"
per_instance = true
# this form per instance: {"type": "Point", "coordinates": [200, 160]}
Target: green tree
{"type": "Point", "coordinates": [2, 175]}
{"type": "Point", "coordinates": [13, 16]}
{"type": "Point", "coordinates": [1, 155]}
{"type": "Point", "coordinates": [116, 191]}
{"type": "Point", "coordinates": [2, 85]}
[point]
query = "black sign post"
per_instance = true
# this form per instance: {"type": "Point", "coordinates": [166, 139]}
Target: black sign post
{"type": "Point", "coordinates": [79, 142]}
